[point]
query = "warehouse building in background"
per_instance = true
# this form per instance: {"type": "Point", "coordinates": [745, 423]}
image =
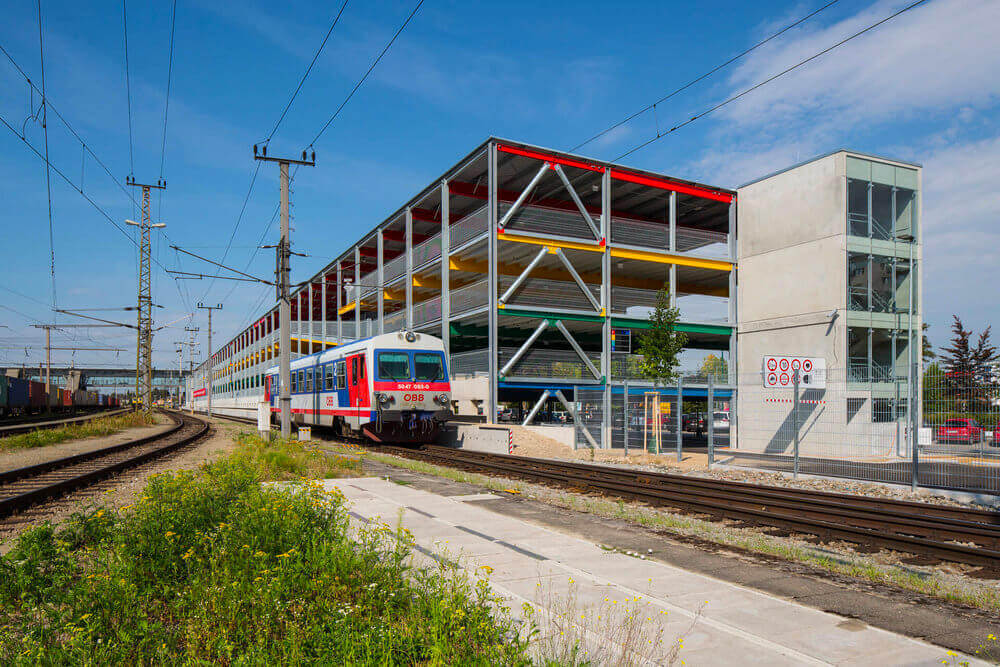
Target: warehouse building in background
{"type": "Point", "coordinates": [539, 269]}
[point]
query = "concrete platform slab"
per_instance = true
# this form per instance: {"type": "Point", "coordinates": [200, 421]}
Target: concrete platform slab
{"type": "Point", "coordinates": [579, 586]}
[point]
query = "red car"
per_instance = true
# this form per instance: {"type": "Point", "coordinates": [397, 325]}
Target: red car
{"type": "Point", "coordinates": [965, 431]}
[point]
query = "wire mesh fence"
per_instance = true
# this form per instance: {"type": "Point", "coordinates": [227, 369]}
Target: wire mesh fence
{"type": "Point", "coordinates": [860, 425]}
{"type": "Point", "coordinates": [851, 424]}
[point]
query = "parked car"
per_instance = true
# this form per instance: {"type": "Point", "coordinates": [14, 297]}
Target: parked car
{"type": "Point", "coordinates": [996, 435]}
{"type": "Point", "coordinates": [694, 421]}
{"type": "Point", "coordinates": [720, 421]}
{"type": "Point", "coordinates": [963, 431]}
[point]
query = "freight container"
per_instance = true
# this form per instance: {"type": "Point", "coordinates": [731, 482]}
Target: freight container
{"type": "Point", "coordinates": [17, 394]}
{"type": "Point", "coordinates": [36, 395]}
{"type": "Point", "coordinates": [53, 401]}
{"type": "Point", "coordinates": [3, 394]}
{"type": "Point", "coordinates": [67, 397]}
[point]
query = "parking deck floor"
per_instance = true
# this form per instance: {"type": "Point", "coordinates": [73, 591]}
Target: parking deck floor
{"type": "Point", "coordinates": [589, 591]}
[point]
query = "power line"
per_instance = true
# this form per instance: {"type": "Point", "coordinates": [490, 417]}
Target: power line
{"type": "Point", "coordinates": [128, 91]}
{"type": "Point", "coordinates": [239, 219]}
{"type": "Point", "coordinates": [73, 185]}
{"type": "Point", "coordinates": [660, 135]}
{"type": "Point", "coordinates": [308, 69]}
{"type": "Point", "coordinates": [372, 67]}
{"type": "Point", "coordinates": [166, 103]}
{"type": "Point", "coordinates": [705, 75]}
{"type": "Point", "coordinates": [48, 171]}
{"type": "Point", "coordinates": [83, 144]}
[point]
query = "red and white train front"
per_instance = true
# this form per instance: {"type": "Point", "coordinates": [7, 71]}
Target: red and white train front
{"type": "Point", "coordinates": [389, 388]}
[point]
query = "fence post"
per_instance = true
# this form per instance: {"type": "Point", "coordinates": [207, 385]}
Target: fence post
{"type": "Point", "coordinates": [914, 431]}
{"type": "Point", "coordinates": [795, 422]}
{"type": "Point", "coordinates": [711, 421]}
{"type": "Point", "coordinates": [680, 419]}
{"type": "Point", "coordinates": [625, 418]}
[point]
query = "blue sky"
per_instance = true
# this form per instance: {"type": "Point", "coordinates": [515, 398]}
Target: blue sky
{"type": "Point", "coordinates": [921, 88]}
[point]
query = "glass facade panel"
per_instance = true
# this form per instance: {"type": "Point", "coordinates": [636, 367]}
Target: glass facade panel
{"type": "Point", "coordinates": [883, 288]}
{"type": "Point", "coordinates": [904, 211]}
{"type": "Point", "coordinates": [857, 281]}
{"type": "Point", "coordinates": [882, 220]}
{"type": "Point", "coordinates": [857, 207]}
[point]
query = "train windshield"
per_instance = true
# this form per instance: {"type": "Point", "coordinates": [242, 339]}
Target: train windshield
{"type": "Point", "coordinates": [429, 366]}
{"type": "Point", "coordinates": [393, 366]}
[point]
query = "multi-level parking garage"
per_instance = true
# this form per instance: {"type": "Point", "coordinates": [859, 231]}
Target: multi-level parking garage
{"type": "Point", "coordinates": [573, 252]}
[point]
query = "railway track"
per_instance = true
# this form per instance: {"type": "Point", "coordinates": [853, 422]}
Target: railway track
{"type": "Point", "coordinates": [15, 428]}
{"type": "Point", "coordinates": [940, 532]}
{"type": "Point", "coordinates": [22, 488]}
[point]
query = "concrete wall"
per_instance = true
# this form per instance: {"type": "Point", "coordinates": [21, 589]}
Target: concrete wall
{"type": "Point", "coordinates": [476, 437]}
{"type": "Point", "coordinates": [470, 394]}
{"type": "Point", "coordinates": [565, 435]}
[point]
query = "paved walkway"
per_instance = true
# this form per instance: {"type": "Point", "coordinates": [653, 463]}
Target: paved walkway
{"type": "Point", "coordinates": [608, 599]}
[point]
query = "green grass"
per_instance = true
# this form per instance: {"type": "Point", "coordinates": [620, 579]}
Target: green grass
{"type": "Point", "coordinates": [212, 567]}
{"type": "Point", "coordinates": [962, 590]}
{"type": "Point", "coordinates": [290, 460]}
{"type": "Point", "coordinates": [93, 428]}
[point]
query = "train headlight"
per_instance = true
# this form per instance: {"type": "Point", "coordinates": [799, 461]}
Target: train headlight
{"type": "Point", "coordinates": [410, 336]}
{"type": "Point", "coordinates": [441, 399]}
{"type": "Point", "coordinates": [385, 400]}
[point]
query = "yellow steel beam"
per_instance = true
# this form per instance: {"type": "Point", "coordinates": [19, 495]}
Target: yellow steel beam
{"type": "Point", "coordinates": [647, 256]}
{"type": "Point", "coordinates": [570, 245]}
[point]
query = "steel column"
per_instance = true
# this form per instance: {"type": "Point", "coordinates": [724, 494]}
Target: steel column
{"type": "Point", "coordinates": [606, 435]}
{"type": "Point", "coordinates": [380, 279]}
{"type": "Point", "coordinates": [446, 271]}
{"type": "Point", "coordinates": [322, 309]}
{"type": "Point", "coordinates": [408, 234]}
{"type": "Point", "coordinates": [340, 291]}
{"type": "Point", "coordinates": [672, 222]}
{"type": "Point", "coordinates": [357, 292]}
{"type": "Point", "coordinates": [492, 261]}
{"type": "Point", "coordinates": [571, 409]}
{"type": "Point", "coordinates": [711, 421]}
{"type": "Point", "coordinates": [680, 419]}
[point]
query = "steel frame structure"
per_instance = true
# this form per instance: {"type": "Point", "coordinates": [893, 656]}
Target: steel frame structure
{"type": "Point", "coordinates": [508, 220]}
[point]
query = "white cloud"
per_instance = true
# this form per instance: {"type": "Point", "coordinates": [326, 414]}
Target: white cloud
{"type": "Point", "coordinates": [938, 57]}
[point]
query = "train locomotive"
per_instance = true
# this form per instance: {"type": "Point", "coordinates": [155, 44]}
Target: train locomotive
{"type": "Point", "coordinates": [389, 388]}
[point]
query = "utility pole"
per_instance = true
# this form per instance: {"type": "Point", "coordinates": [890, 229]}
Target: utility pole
{"type": "Point", "coordinates": [283, 271]}
{"type": "Point", "coordinates": [48, 353]}
{"type": "Point", "coordinates": [144, 335]}
{"type": "Point", "coordinates": [208, 356]}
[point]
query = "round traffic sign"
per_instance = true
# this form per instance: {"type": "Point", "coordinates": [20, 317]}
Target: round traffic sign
{"type": "Point", "coordinates": [784, 364]}
{"type": "Point", "coordinates": [772, 379]}
{"type": "Point", "coordinates": [795, 364]}
{"type": "Point", "coordinates": [784, 379]}
{"type": "Point", "coordinates": [807, 365]}
{"type": "Point", "coordinates": [772, 364]}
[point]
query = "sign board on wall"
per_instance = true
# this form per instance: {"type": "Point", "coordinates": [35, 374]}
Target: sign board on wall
{"type": "Point", "coordinates": [779, 372]}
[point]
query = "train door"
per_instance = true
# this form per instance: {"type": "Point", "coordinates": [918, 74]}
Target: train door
{"type": "Point", "coordinates": [357, 387]}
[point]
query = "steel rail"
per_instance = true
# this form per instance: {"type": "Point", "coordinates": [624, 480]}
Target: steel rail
{"type": "Point", "coordinates": [8, 429]}
{"type": "Point", "coordinates": [808, 515]}
{"type": "Point", "coordinates": [20, 501]}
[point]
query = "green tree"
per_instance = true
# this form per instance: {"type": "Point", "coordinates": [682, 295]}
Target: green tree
{"type": "Point", "coordinates": [661, 343]}
{"type": "Point", "coordinates": [714, 366]}
{"type": "Point", "coordinates": [927, 349]}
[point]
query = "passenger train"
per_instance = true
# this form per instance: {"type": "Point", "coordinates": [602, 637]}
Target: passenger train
{"type": "Point", "coordinates": [389, 388]}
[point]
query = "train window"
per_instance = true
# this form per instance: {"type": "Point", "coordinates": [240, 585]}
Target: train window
{"type": "Point", "coordinates": [295, 384]}
{"type": "Point", "coordinates": [354, 371]}
{"type": "Point", "coordinates": [361, 364]}
{"type": "Point", "coordinates": [428, 366]}
{"type": "Point", "coordinates": [309, 379]}
{"type": "Point", "coordinates": [341, 375]}
{"type": "Point", "coordinates": [328, 375]}
{"type": "Point", "coordinates": [393, 366]}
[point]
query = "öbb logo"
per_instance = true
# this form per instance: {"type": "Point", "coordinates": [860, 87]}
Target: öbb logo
{"type": "Point", "coordinates": [413, 397]}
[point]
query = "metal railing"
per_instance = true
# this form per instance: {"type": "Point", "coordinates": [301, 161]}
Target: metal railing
{"type": "Point", "coordinates": [549, 363]}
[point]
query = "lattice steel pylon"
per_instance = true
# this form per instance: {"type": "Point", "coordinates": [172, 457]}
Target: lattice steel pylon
{"type": "Point", "coordinates": [144, 331]}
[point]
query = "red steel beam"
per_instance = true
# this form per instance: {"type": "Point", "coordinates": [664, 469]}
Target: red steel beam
{"type": "Point", "coordinates": [553, 159]}
{"type": "Point", "coordinates": [674, 186]}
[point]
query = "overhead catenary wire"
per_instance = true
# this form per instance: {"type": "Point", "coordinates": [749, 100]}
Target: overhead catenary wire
{"type": "Point", "coordinates": [305, 75]}
{"type": "Point", "coordinates": [729, 100]}
{"type": "Point", "coordinates": [371, 68]}
{"type": "Point", "coordinates": [676, 91]}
